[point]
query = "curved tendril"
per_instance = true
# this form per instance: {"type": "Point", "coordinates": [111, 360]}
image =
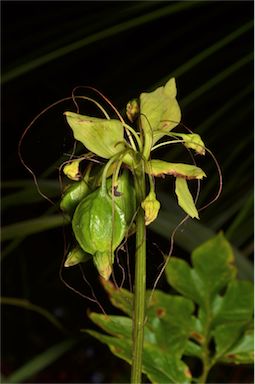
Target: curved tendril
{"type": "Point", "coordinates": [94, 299]}
{"type": "Point", "coordinates": [167, 143]}
{"type": "Point", "coordinates": [135, 135]}
{"type": "Point", "coordinates": [33, 122]}
{"type": "Point", "coordinates": [21, 141]}
{"type": "Point", "coordinates": [93, 101]}
{"type": "Point", "coordinates": [114, 178]}
{"type": "Point", "coordinates": [220, 181]}
{"type": "Point", "coordinates": [60, 272]}
{"type": "Point", "coordinates": [108, 164]}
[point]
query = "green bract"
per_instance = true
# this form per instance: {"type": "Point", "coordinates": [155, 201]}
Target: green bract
{"type": "Point", "coordinates": [99, 226]}
{"type": "Point", "coordinates": [103, 137]}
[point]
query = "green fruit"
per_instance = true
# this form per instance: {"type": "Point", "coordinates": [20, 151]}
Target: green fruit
{"type": "Point", "coordinates": [73, 195]}
{"type": "Point", "coordinates": [99, 226]}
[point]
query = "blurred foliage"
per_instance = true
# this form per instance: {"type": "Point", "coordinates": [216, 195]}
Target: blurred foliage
{"type": "Point", "coordinates": [123, 48]}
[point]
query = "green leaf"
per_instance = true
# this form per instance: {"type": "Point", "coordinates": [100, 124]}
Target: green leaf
{"type": "Point", "coordinates": [159, 323]}
{"type": "Point", "coordinates": [162, 168]}
{"type": "Point", "coordinates": [236, 304]}
{"type": "Point", "coordinates": [226, 335]}
{"type": "Point", "coordinates": [115, 325]}
{"type": "Point", "coordinates": [232, 315]}
{"type": "Point", "coordinates": [120, 298]}
{"type": "Point", "coordinates": [214, 265]}
{"type": "Point", "coordinates": [103, 137]}
{"type": "Point", "coordinates": [160, 367]}
{"type": "Point", "coordinates": [183, 278]}
{"type": "Point", "coordinates": [222, 315]}
{"type": "Point", "coordinates": [242, 352]}
{"type": "Point", "coordinates": [119, 347]}
{"type": "Point", "coordinates": [213, 269]}
{"type": "Point", "coordinates": [172, 330]}
{"type": "Point", "coordinates": [185, 199]}
{"type": "Point", "coordinates": [162, 322]}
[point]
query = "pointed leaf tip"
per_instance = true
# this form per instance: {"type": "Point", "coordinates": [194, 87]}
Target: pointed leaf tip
{"type": "Point", "coordinates": [185, 199]}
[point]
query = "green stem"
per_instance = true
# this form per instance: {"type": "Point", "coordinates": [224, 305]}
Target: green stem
{"type": "Point", "coordinates": [140, 282]}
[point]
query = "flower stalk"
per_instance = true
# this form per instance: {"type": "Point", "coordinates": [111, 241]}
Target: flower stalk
{"type": "Point", "coordinates": [140, 281]}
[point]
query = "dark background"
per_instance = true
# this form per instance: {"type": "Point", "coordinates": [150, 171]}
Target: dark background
{"type": "Point", "coordinates": [137, 55]}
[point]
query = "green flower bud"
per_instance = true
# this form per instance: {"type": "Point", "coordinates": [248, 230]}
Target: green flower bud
{"type": "Point", "coordinates": [71, 170]}
{"type": "Point", "coordinates": [99, 226]}
{"type": "Point", "coordinates": [133, 110]}
{"type": "Point", "coordinates": [151, 207]}
{"type": "Point", "coordinates": [103, 262]}
{"type": "Point", "coordinates": [76, 256]}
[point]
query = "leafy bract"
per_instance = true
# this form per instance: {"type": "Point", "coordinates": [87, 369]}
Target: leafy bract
{"type": "Point", "coordinates": [103, 137]}
{"type": "Point", "coordinates": [185, 199]}
{"type": "Point", "coordinates": [162, 168]}
{"type": "Point", "coordinates": [160, 110]}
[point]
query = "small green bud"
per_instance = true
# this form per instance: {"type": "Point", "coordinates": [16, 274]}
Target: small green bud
{"type": "Point", "coordinates": [151, 207]}
{"type": "Point", "coordinates": [133, 110]}
{"type": "Point", "coordinates": [71, 170]}
{"type": "Point", "coordinates": [76, 256]}
{"type": "Point", "coordinates": [103, 262]}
